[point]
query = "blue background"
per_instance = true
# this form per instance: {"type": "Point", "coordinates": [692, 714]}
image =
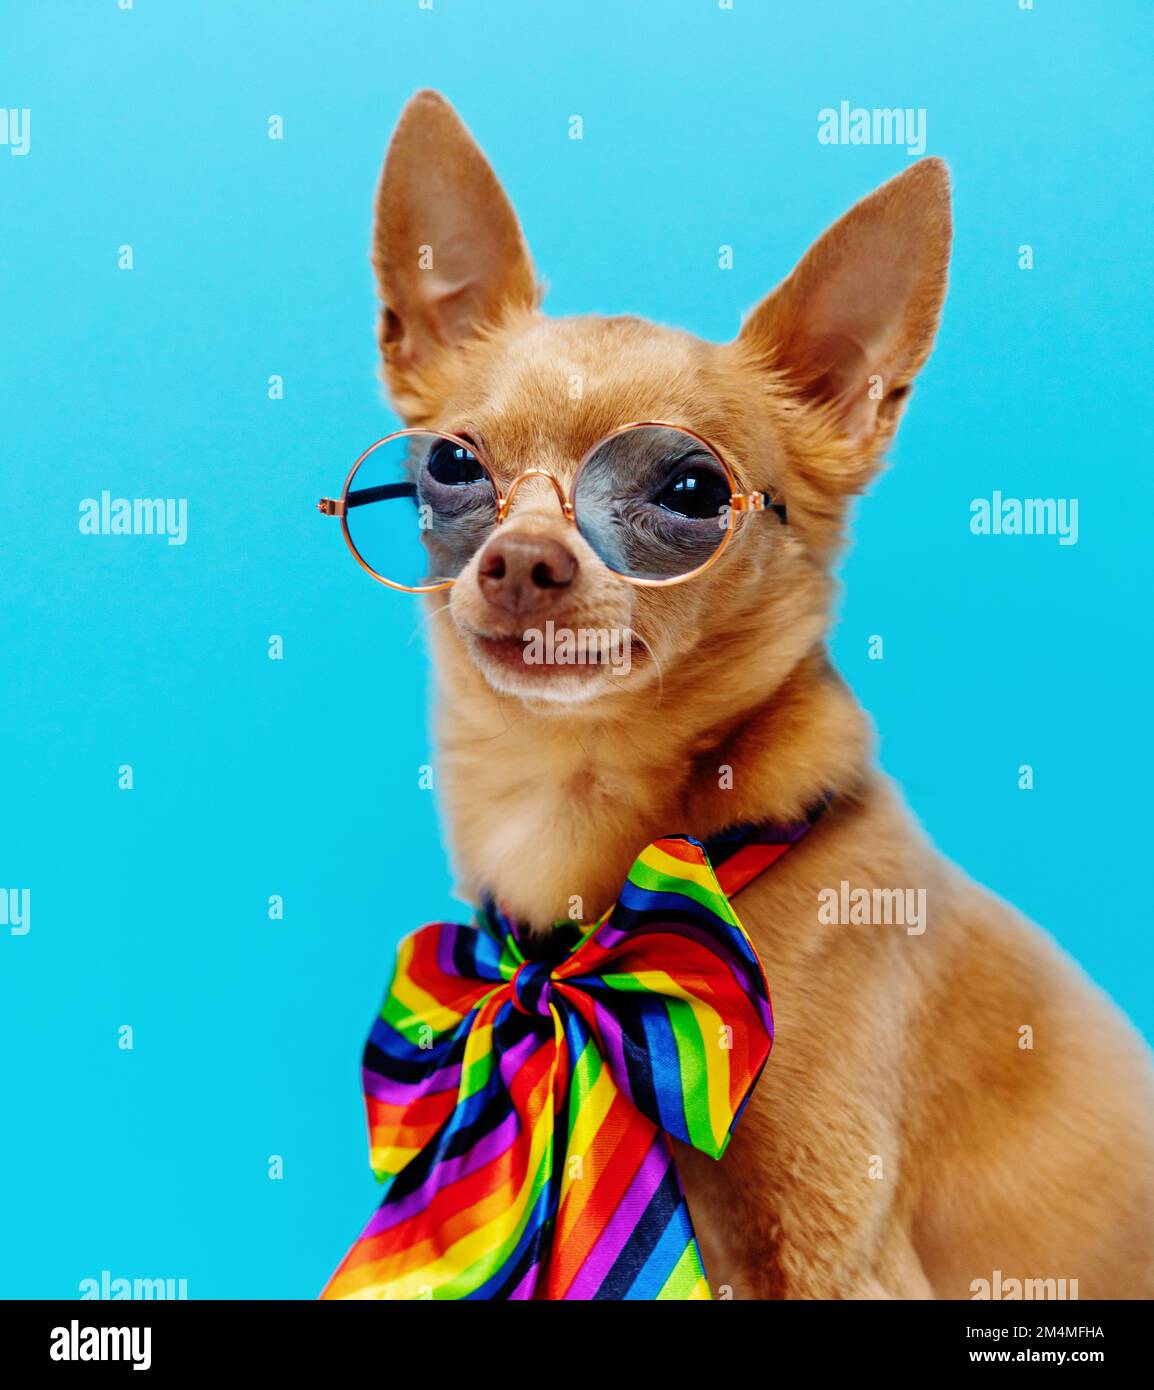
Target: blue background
{"type": "Point", "coordinates": [300, 777]}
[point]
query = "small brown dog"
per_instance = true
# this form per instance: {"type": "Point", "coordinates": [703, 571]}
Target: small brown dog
{"type": "Point", "coordinates": [942, 1110]}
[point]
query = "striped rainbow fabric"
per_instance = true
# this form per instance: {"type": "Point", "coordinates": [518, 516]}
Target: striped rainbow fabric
{"type": "Point", "coordinates": [522, 1109]}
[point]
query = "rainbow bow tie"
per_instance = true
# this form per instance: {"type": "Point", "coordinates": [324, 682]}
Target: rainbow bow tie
{"type": "Point", "coordinates": [523, 1109]}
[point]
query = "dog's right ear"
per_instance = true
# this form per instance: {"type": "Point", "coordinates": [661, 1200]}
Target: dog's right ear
{"type": "Point", "coordinates": [854, 323]}
{"type": "Point", "coordinates": [447, 249]}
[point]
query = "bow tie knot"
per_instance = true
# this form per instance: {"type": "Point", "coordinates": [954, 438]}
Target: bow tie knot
{"type": "Point", "coordinates": [532, 985]}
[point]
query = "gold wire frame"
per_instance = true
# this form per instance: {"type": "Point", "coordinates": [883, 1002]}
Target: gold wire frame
{"type": "Point", "coordinates": [738, 501]}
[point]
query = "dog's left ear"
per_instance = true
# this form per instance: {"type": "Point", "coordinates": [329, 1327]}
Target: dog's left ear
{"type": "Point", "coordinates": [447, 248]}
{"type": "Point", "coordinates": [854, 323]}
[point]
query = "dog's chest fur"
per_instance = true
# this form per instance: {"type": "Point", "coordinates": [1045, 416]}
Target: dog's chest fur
{"type": "Point", "coordinates": [544, 827]}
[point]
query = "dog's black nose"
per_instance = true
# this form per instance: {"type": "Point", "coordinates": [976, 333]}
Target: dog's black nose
{"type": "Point", "coordinates": [520, 573]}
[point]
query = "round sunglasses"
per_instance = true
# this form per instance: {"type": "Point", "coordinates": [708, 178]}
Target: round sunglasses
{"type": "Point", "coordinates": [656, 502]}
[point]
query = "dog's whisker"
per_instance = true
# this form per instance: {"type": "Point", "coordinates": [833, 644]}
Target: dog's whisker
{"type": "Point", "coordinates": [425, 621]}
{"type": "Point", "coordinates": [649, 650]}
{"type": "Point", "coordinates": [510, 724]}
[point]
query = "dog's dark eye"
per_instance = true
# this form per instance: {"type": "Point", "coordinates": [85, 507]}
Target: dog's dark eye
{"type": "Point", "coordinates": [453, 466]}
{"type": "Point", "coordinates": [695, 493]}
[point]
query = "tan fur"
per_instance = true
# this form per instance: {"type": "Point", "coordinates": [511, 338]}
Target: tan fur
{"type": "Point", "coordinates": [1038, 1163]}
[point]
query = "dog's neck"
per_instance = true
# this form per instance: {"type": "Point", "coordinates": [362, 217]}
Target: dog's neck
{"type": "Point", "coordinates": [547, 809]}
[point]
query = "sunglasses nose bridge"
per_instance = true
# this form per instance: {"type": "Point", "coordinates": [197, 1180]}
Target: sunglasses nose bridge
{"type": "Point", "coordinates": [504, 503]}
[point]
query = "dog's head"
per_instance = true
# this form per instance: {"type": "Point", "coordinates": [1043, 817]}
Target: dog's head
{"type": "Point", "coordinates": [801, 405]}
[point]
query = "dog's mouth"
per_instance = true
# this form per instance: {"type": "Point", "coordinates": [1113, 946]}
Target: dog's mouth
{"type": "Point", "coordinates": [507, 651]}
{"type": "Point", "coordinates": [554, 661]}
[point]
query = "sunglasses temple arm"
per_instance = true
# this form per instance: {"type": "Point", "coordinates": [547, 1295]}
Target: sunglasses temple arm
{"type": "Point", "coordinates": [384, 493]}
{"type": "Point", "coordinates": [759, 502]}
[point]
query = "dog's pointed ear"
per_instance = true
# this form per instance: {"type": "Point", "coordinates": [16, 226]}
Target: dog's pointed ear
{"type": "Point", "coordinates": [447, 249]}
{"type": "Point", "coordinates": [854, 323]}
